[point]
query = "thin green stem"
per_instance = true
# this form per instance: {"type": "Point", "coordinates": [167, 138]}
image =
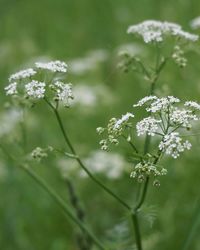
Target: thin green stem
{"type": "Point", "coordinates": [63, 205]}
{"type": "Point", "coordinates": [137, 231]}
{"type": "Point", "coordinates": [68, 142]}
{"type": "Point", "coordinates": [131, 144]}
{"type": "Point", "coordinates": [143, 195]}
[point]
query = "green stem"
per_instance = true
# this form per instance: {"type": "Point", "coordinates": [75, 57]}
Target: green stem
{"type": "Point", "coordinates": [143, 195]}
{"type": "Point", "coordinates": [68, 142]}
{"type": "Point", "coordinates": [63, 205]}
{"type": "Point", "coordinates": [137, 231]}
{"type": "Point", "coordinates": [135, 215]}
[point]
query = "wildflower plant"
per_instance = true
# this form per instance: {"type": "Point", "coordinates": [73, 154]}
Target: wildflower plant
{"type": "Point", "coordinates": [166, 122]}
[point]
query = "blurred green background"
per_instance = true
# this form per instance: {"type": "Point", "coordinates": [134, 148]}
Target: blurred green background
{"type": "Point", "coordinates": [69, 30]}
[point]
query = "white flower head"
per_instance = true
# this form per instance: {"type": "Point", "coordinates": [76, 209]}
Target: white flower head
{"type": "Point", "coordinates": [35, 89]}
{"type": "Point", "coordinates": [185, 35]}
{"type": "Point", "coordinates": [182, 117]}
{"type": "Point", "coordinates": [123, 120]}
{"type": "Point", "coordinates": [11, 89]}
{"type": "Point", "coordinates": [54, 66]}
{"type": "Point", "coordinates": [173, 144]}
{"type": "Point", "coordinates": [63, 92]}
{"type": "Point", "coordinates": [162, 104]}
{"type": "Point", "coordinates": [193, 105]}
{"type": "Point", "coordinates": [145, 100]}
{"type": "Point", "coordinates": [148, 125]}
{"type": "Point", "coordinates": [22, 74]}
{"type": "Point", "coordinates": [155, 31]}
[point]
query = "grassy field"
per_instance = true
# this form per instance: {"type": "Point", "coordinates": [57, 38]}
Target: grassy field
{"type": "Point", "coordinates": [74, 31]}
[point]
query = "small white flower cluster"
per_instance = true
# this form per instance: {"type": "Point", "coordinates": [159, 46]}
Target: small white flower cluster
{"type": "Point", "coordinates": [148, 125]}
{"type": "Point", "coordinates": [193, 105]}
{"type": "Point", "coordinates": [146, 168]}
{"type": "Point", "coordinates": [35, 89]}
{"type": "Point", "coordinates": [195, 23]}
{"type": "Point", "coordinates": [145, 100]}
{"type": "Point", "coordinates": [22, 74]}
{"type": "Point", "coordinates": [155, 31]}
{"type": "Point", "coordinates": [173, 145]}
{"type": "Point", "coordinates": [114, 130]}
{"type": "Point", "coordinates": [63, 92]}
{"type": "Point", "coordinates": [162, 104]}
{"type": "Point", "coordinates": [54, 66]}
{"type": "Point", "coordinates": [119, 123]}
{"type": "Point", "coordinates": [11, 89]}
{"type": "Point", "coordinates": [182, 117]}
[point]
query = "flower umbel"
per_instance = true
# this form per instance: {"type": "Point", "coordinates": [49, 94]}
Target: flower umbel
{"type": "Point", "coordinates": [166, 121]}
{"type": "Point", "coordinates": [43, 86]}
{"type": "Point", "coordinates": [155, 31]}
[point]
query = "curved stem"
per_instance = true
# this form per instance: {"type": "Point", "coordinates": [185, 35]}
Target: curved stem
{"type": "Point", "coordinates": [63, 205]}
{"type": "Point", "coordinates": [68, 142]}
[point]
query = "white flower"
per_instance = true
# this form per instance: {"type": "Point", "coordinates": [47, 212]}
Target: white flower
{"type": "Point", "coordinates": [162, 104]}
{"type": "Point", "coordinates": [35, 89]}
{"type": "Point", "coordinates": [185, 35]}
{"type": "Point", "coordinates": [155, 31]}
{"type": "Point", "coordinates": [172, 144]}
{"type": "Point", "coordinates": [182, 117]}
{"type": "Point", "coordinates": [11, 89]}
{"type": "Point", "coordinates": [145, 100]}
{"type": "Point", "coordinates": [22, 74]}
{"type": "Point", "coordinates": [124, 119]}
{"type": "Point", "coordinates": [54, 66]}
{"type": "Point", "coordinates": [148, 125]}
{"type": "Point", "coordinates": [63, 91]}
{"type": "Point", "coordinates": [195, 23]}
{"type": "Point", "coordinates": [193, 105]}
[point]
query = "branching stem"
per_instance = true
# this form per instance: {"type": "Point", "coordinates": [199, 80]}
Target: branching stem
{"type": "Point", "coordinates": [68, 142]}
